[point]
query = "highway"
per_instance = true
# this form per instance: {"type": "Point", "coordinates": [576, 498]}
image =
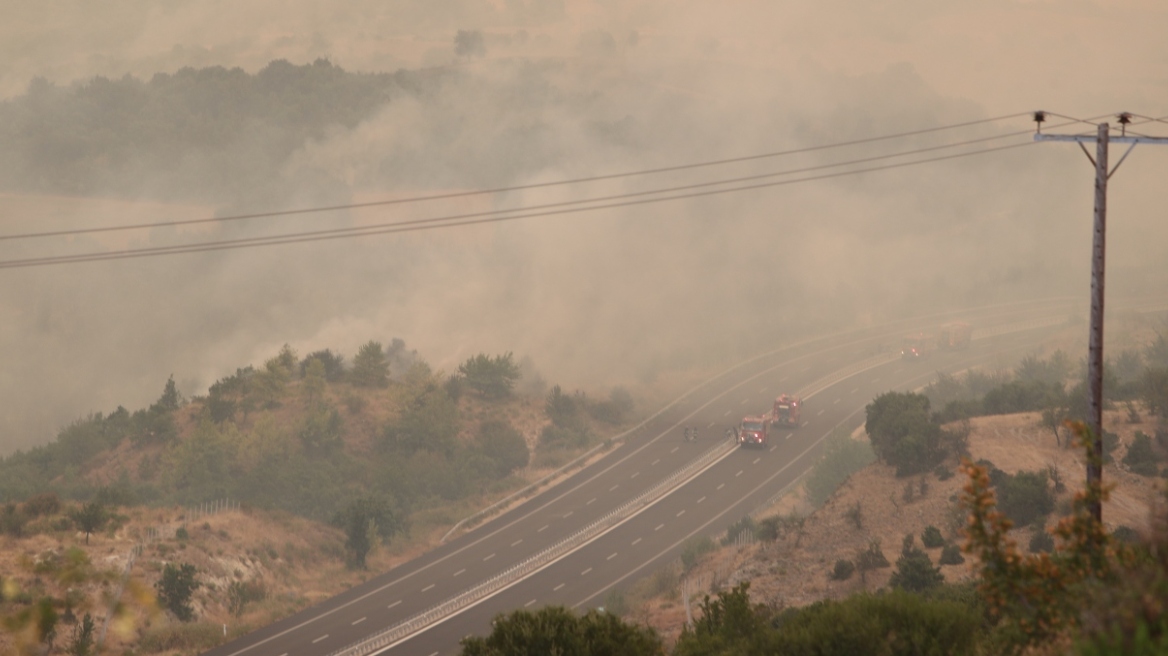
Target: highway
{"type": "Point", "coordinates": [836, 374]}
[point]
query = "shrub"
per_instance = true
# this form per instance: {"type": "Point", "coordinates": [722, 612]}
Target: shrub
{"type": "Point", "coordinates": [842, 456]}
{"type": "Point", "coordinates": [175, 588]}
{"type": "Point", "coordinates": [856, 515]}
{"type": "Point", "coordinates": [951, 555]}
{"type": "Point", "coordinates": [1024, 497]}
{"type": "Point", "coordinates": [915, 572]}
{"type": "Point", "coordinates": [932, 538]}
{"type": "Point", "coordinates": [693, 549]}
{"type": "Point", "coordinates": [12, 520]}
{"type": "Point", "coordinates": [42, 505]}
{"type": "Point", "coordinates": [744, 525]}
{"type": "Point", "coordinates": [196, 637]}
{"type": "Point", "coordinates": [902, 432]}
{"type": "Point", "coordinates": [892, 623]}
{"type": "Point", "coordinates": [182, 534]}
{"type": "Point", "coordinates": [504, 446]}
{"type": "Point", "coordinates": [843, 570]}
{"type": "Point", "coordinates": [334, 364]}
{"type": "Point", "coordinates": [1041, 541]}
{"type": "Point", "coordinates": [871, 558]}
{"type": "Point", "coordinates": [1141, 458]}
{"type": "Point", "coordinates": [1126, 534]}
{"type": "Point", "coordinates": [943, 473]}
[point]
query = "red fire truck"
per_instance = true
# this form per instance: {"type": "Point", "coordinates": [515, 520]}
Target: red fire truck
{"type": "Point", "coordinates": [953, 336]}
{"type": "Point", "coordinates": [753, 431]}
{"type": "Point", "coordinates": [787, 410]}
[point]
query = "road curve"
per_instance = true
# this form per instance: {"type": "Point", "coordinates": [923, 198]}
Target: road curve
{"type": "Point", "coordinates": [838, 373]}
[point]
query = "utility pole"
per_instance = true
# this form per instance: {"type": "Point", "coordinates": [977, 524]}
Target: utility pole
{"type": "Point", "coordinates": [1102, 139]}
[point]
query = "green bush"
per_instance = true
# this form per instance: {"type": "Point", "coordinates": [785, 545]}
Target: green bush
{"type": "Point", "coordinates": [877, 625]}
{"type": "Point", "coordinates": [504, 446]}
{"type": "Point", "coordinates": [693, 549]}
{"type": "Point", "coordinates": [1024, 497]}
{"type": "Point", "coordinates": [1041, 541]}
{"type": "Point", "coordinates": [915, 572]}
{"type": "Point", "coordinates": [932, 537]}
{"type": "Point", "coordinates": [843, 570]}
{"type": "Point", "coordinates": [842, 456]}
{"type": "Point", "coordinates": [195, 637]}
{"type": "Point", "coordinates": [1141, 457]}
{"type": "Point", "coordinates": [903, 434]}
{"type": "Point", "coordinates": [370, 366]}
{"type": "Point", "coordinates": [951, 555]}
{"type": "Point", "coordinates": [744, 525]}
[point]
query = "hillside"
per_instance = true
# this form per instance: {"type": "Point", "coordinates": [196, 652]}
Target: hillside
{"type": "Point", "coordinates": [795, 570]}
{"type": "Point", "coordinates": [286, 454]}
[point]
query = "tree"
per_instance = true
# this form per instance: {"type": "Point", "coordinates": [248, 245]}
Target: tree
{"type": "Point", "coordinates": [492, 378]}
{"type": "Point", "coordinates": [268, 385]}
{"type": "Point", "coordinates": [1025, 496]}
{"type": "Point", "coordinates": [363, 521]}
{"type": "Point", "coordinates": [727, 625]}
{"type": "Point", "coordinates": [558, 630]}
{"type": "Point", "coordinates": [915, 572]}
{"type": "Point", "coordinates": [315, 380]}
{"type": "Point", "coordinates": [561, 408]}
{"type": "Point", "coordinates": [370, 366]}
{"type": "Point", "coordinates": [334, 365]}
{"type": "Point", "coordinates": [902, 432]}
{"type": "Point", "coordinates": [500, 442]}
{"type": "Point", "coordinates": [1153, 387]}
{"type": "Point", "coordinates": [175, 589]}
{"type": "Point", "coordinates": [81, 643]}
{"type": "Point", "coordinates": [90, 518]}
{"type": "Point", "coordinates": [429, 422]}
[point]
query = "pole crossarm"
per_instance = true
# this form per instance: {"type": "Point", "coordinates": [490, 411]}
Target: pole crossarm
{"type": "Point", "coordinates": [1092, 138]}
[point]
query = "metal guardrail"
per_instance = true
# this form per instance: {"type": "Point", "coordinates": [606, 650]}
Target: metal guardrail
{"type": "Point", "coordinates": [392, 634]}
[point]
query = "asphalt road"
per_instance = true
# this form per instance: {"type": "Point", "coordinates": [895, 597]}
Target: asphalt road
{"type": "Point", "coordinates": [837, 374]}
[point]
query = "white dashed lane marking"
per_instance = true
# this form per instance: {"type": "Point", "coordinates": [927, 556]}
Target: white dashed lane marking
{"type": "Point", "coordinates": [655, 462]}
{"type": "Point", "coordinates": [711, 425]}
{"type": "Point", "coordinates": [675, 449]}
{"type": "Point", "coordinates": [701, 500]}
{"type": "Point", "coordinates": [590, 501]}
{"type": "Point", "coordinates": [516, 543]}
{"type": "Point", "coordinates": [394, 604]}
{"type": "Point", "coordinates": [612, 556]}
{"type": "Point", "coordinates": [459, 572]}
{"type": "Point", "coordinates": [776, 446]}
{"type": "Point", "coordinates": [529, 603]}
{"type": "Point", "coordinates": [744, 401]}
{"type": "Point", "coordinates": [557, 588]}
{"type": "Point", "coordinates": [835, 401]}
{"type": "Point", "coordinates": [726, 414]}
{"type": "Point", "coordinates": [761, 390]}
{"type": "Point", "coordinates": [659, 527]}
{"type": "Point", "coordinates": [356, 622]}
{"type": "Point", "coordinates": [876, 379]}
{"type": "Point", "coordinates": [634, 475]}
{"type": "Point", "coordinates": [428, 588]}
{"type": "Point", "coordinates": [636, 541]}
{"type": "Point", "coordinates": [320, 638]}
{"type": "Point", "coordinates": [585, 571]}
{"type": "Point", "coordinates": [721, 485]}
{"type": "Point", "coordinates": [681, 513]}
{"type": "Point", "coordinates": [541, 530]}
{"type": "Point", "coordinates": [756, 460]}
{"type": "Point", "coordinates": [854, 390]}
{"type": "Point", "coordinates": [788, 436]}
{"type": "Point", "coordinates": [488, 558]}
{"type": "Point", "coordinates": [784, 379]}
{"type": "Point", "coordinates": [818, 413]}
{"type": "Point", "coordinates": [569, 514]}
{"type": "Point", "coordinates": [614, 487]}
{"type": "Point", "coordinates": [738, 474]}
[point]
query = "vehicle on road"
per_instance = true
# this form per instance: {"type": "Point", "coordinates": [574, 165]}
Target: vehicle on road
{"type": "Point", "coordinates": [916, 346]}
{"type": "Point", "coordinates": [753, 431]}
{"type": "Point", "coordinates": [787, 410]}
{"type": "Point", "coordinates": [954, 336]}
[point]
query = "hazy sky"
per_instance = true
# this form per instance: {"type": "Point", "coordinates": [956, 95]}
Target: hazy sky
{"type": "Point", "coordinates": [577, 88]}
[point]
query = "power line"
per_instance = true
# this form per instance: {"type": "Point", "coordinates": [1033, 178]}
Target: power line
{"type": "Point", "coordinates": [454, 220]}
{"type": "Point", "coordinates": [538, 185]}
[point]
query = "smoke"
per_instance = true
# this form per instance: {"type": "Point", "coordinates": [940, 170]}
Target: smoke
{"type": "Point", "coordinates": [572, 89]}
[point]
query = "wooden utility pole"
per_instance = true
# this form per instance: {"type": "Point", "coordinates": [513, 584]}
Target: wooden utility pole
{"type": "Point", "coordinates": [1102, 139]}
